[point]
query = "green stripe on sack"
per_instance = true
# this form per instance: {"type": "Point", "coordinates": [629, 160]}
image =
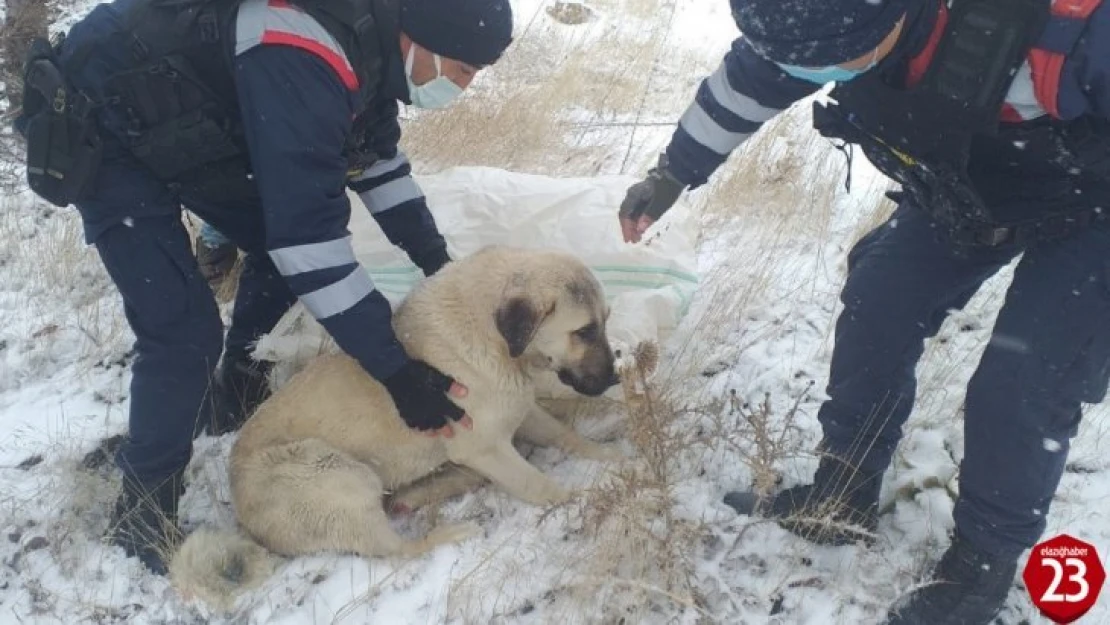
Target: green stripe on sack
{"type": "Point", "coordinates": [674, 273]}
{"type": "Point", "coordinates": [412, 270]}
{"type": "Point", "coordinates": [684, 296]}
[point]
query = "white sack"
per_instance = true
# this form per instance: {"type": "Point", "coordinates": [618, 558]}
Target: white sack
{"type": "Point", "coordinates": [648, 285]}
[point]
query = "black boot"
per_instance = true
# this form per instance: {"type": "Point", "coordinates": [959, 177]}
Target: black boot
{"type": "Point", "coordinates": [840, 507]}
{"type": "Point", "coordinates": [144, 521]}
{"type": "Point", "coordinates": [241, 385]}
{"type": "Point", "coordinates": [969, 588]}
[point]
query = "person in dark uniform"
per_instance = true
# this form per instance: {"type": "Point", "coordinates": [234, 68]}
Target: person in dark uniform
{"type": "Point", "coordinates": [993, 116]}
{"type": "Point", "coordinates": [257, 116]}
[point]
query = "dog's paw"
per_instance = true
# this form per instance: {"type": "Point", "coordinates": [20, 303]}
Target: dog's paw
{"type": "Point", "coordinates": [456, 532]}
{"type": "Point", "coordinates": [601, 453]}
{"type": "Point", "coordinates": [552, 496]}
{"type": "Point", "coordinates": [439, 536]}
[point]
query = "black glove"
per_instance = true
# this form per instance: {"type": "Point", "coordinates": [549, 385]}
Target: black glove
{"type": "Point", "coordinates": [652, 196]}
{"type": "Point", "coordinates": [433, 261]}
{"type": "Point", "coordinates": [420, 393]}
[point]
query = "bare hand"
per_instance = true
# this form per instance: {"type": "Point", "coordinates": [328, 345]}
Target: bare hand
{"type": "Point", "coordinates": [633, 228]}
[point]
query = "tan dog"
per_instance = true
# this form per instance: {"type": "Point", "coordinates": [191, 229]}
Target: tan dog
{"type": "Point", "coordinates": [311, 466]}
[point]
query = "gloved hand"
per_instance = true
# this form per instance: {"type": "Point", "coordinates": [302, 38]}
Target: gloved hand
{"type": "Point", "coordinates": [647, 200]}
{"type": "Point", "coordinates": [420, 394]}
{"type": "Point", "coordinates": [433, 261]}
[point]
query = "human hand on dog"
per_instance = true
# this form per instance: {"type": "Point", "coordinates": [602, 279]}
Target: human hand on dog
{"type": "Point", "coordinates": [447, 431]}
{"type": "Point", "coordinates": [420, 393]}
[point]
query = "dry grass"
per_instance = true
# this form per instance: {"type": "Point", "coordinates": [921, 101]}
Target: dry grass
{"type": "Point", "coordinates": [788, 179]}
{"type": "Point", "coordinates": [759, 437]}
{"type": "Point", "coordinates": [554, 93]}
{"type": "Point", "coordinates": [635, 557]}
{"type": "Point", "coordinates": [45, 258]}
{"type": "Point", "coordinates": [642, 553]}
{"type": "Point", "coordinates": [41, 248]}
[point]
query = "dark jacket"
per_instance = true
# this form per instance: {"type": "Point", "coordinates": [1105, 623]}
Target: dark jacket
{"type": "Point", "coordinates": [747, 90]}
{"type": "Point", "coordinates": [314, 123]}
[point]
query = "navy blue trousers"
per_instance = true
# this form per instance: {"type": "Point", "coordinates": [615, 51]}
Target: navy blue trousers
{"type": "Point", "coordinates": [134, 220]}
{"type": "Point", "coordinates": [135, 223]}
{"type": "Point", "coordinates": [1049, 352]}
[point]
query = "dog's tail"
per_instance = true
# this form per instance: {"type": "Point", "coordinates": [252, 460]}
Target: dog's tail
{"type": "Point", "coordinates": [215, 566]}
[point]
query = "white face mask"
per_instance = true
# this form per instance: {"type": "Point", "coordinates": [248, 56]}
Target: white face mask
{"type": "Point", "coordinates": [437, 92]}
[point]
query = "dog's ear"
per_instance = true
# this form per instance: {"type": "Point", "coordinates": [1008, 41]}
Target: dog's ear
{"type": "Point", "coordinates": [517, 320]}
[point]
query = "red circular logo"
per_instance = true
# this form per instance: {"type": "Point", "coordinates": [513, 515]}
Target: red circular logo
{"type": "Point", "coordinates": [1064, 576]}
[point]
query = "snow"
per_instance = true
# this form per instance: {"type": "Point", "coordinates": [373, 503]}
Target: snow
{"type": "Point", "coordinates": [760, 329]}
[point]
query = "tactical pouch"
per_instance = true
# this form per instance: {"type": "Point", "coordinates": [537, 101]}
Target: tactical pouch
{"type": "Point", "coordinates": [176, 122]}
{"type": "Point", "coordinates": [939, 188]}
{"type": "Point", "coordinates": [1087, 141]}
{"type": "Point", "coordinates": [922, 136]}
{"type": "Point", "coordinates": [63, 145]}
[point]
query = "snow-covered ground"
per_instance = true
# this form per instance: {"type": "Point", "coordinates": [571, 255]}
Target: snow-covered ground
{"type": "Point", "coordinates": [648, 541]}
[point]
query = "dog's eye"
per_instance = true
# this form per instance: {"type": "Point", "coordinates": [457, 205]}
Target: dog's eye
{"type": "Point", "coordinates": [588, 332]}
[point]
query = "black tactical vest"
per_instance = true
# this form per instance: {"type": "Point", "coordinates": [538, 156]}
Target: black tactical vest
{"type": "Point", "coordinates": [943, 142]}
{"type": "Point", "coordinates": [180, 97]}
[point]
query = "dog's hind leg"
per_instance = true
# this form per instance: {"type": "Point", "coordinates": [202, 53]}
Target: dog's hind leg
{"type": "Point", "coordinates": [308, 497]}
{"type": "Point", "coordinates": [434, 489]}
{"type": "Point", "coordinates": [504, 465]}
{"type": "Point", "coordinates": [541, 428]}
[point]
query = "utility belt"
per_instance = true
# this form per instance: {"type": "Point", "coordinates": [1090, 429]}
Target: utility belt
{"type": "Point", "coordinates": [1086, 142]}
{"type": "Point", "coordinates": [173, 121]}
{"type": "Point", "coordinates": [923, 135]}
{"type": "Point", "coordinates": [945, 192]}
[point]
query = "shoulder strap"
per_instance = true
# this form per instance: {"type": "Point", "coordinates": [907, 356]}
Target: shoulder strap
{"type": "Point", "coordinates": [1066, 24]}
{"type": "Point", "coordinates": [984, 44]}
{"type": "Point", "coordinates": [960, 93]}
{"type": "Point", "coordinates": [365, 29]}
{"type": "Point", "coordinates": [919, 63]}
{"type": "Point", "coordinates": [165, 24]}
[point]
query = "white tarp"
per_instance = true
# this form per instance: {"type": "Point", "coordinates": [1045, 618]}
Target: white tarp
{"type": "Point", "coordinates": [648, 285]}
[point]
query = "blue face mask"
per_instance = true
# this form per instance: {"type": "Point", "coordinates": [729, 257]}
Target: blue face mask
{"type": "Point", "coordinates": [822, 75]}
{"type": "Point", "coordinates": [437, 92]}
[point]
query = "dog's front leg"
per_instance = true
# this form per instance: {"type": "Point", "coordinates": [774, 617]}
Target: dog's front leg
{"type": "Point", "coordinates": [504, 466]}
{"type": "Point", "coordinates": [540, 427]}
